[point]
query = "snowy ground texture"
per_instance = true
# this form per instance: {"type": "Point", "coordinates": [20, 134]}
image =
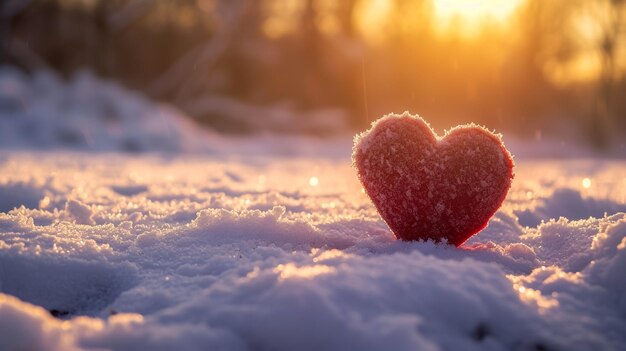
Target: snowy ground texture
{"type": "Point", "coordinates": [272, 253]}
{"type": "Point", "coordinates": [248, 245]}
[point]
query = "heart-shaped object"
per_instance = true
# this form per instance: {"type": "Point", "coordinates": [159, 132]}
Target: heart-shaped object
{"type": "Point", "coordinates": [427, 187]}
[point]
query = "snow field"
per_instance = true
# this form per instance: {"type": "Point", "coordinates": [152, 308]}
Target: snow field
{"type": "Point", "coordinates": [250, 253]}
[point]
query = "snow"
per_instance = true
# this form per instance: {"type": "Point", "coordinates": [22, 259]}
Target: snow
{"type": "Point", "coordinates": [234, 247]}
{"type": "Point", "coordinates": [44, 112]}
{"type": "Point", "coordinates": [248, 255]}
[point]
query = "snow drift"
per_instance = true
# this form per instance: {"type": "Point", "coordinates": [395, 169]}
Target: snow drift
{"type": "Point", "coordinates": [256, 258]}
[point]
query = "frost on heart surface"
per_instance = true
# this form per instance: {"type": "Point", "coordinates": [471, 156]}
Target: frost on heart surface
{"type": "Point", "coordinates": [430, 187]}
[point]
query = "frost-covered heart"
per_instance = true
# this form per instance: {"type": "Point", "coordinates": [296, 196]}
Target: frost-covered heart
{"type": "Point", "coordinates": [430, 187]}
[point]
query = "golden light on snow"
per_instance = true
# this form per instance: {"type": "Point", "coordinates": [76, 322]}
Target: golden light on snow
{"type": "Point", "coordinates": [550, 275]}
{"type": "Point", "coordinates": [290, 270]}
{"type": "Point", "coordinates": [535, 297]}
{"type": "Point", "coordinates": [126, 318]}
{"type": "Point", "coordinates": [314, 181]}
{"type": "Point", "coordinates": [532, 296]}
{"type": "Point", "coordinates": [254, 273]}
{"type": "Point", "coordinates": [586, 183]}
{"type": "Point", "coordinates": [575, 277]}
{"type": "Point", "coordinates": [45, 202]}
{"type": "Point", "coordinates": [329, 205]}
{"type": "Point", "coordinates": [319, 255]}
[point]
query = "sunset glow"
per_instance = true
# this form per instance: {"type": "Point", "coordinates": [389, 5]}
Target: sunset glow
{"type": "Point", "coordinates": [475, 10]}
{"type": "Point", "coordinates": [467, 18]}
{"type": "Point", "coordinates": [312, 174]}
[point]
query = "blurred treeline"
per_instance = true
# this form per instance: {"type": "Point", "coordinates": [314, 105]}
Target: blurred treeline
{"type": "Point", "coordinates": [553, 67]}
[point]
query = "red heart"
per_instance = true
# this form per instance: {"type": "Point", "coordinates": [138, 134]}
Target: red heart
{"type": "Point", "coordinates": [427, 187]}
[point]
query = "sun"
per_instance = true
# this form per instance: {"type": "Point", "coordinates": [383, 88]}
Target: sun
{"type": "Point", "coordinates": [472, 12]}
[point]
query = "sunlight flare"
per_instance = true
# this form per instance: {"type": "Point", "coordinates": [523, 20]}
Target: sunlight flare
{"type": "Point", "coordinates": [475, 10]}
